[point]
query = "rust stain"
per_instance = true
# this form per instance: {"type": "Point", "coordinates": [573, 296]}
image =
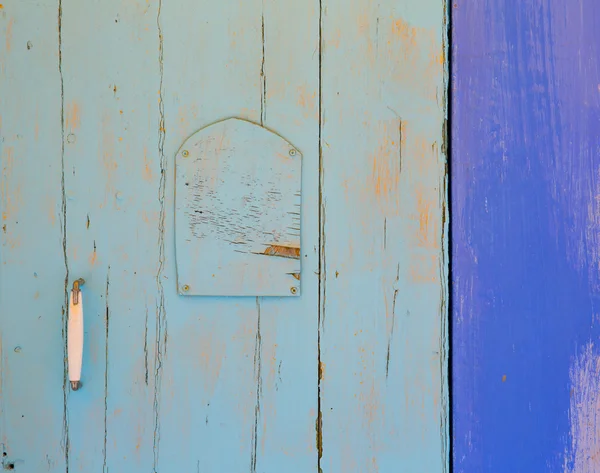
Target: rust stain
{"type": "Point", "coordinates": [283, 251]}
{"type": "Point", "coordinates": [296, 276]}
{"type": "Point", "coordinates": [319, 435]}
{"type": "Point", "coordinates": [321, 370]}
{"type": "Point", "coordinates": [504, 378]}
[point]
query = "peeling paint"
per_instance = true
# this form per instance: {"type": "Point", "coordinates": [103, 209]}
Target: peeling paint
{"type": "Point", "coordinates": [582, 454]}
{"type": "Point", "coordinates": [283, 251]}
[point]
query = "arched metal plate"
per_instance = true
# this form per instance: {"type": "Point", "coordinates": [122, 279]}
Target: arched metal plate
{"type": "Point", "coordinates": [237, 215]}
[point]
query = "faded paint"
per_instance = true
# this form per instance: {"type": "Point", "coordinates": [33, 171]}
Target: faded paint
{"type": "Point", "coordinates": [525, 128]}
{"type": "Point", "coordinates": [583, 449]}
{"type": "Point", "coordinates": [283, 251]}
{"type": "Point", "coordinates": [159, 392]}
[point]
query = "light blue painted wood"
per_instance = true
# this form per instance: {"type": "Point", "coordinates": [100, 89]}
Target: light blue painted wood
{"type": "Point", "coordinates": [32, 270]}
{"type": "Point", "coordinates": [237, 212]}
{"type": "Point", "coordinates": [174, 383]}
{"type": "Point", "coordinates": [112, 180]}
{"type": "Point", "coordinates": [384, 263]}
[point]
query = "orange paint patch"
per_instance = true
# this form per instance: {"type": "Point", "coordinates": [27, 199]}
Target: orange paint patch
{"type": "Point", "coordinates": [10, 197]}
{"type": "Point", "coordinates": [427, 234]}
{"type": "Point", "coordinates": [424, 268]}
{"type": "Point", "coordinates": [387, 160]}
{"type": "Point", "coordinates": [9, 28]}
{"type": "Point", "coordinates": [283, 251]}
{"type": "Point", "coordinates": [406, 33]}
{"type": "Point", "coordinates": [182, 121]}
{"type": "Point", "coordinates": [107, 154]}
{"type": "Point", "coordinates": [308, 101]}
{"type": "Point", "coordinates": [93, 259]}
{"type": "Point", "coordinates": [415, 55]}
{"type": "Point", "coordinates": [51, 211]}
{"type": "Point", "coordinates": [73, 116]}
{"type": "Point", "coordinates": [147, 173]}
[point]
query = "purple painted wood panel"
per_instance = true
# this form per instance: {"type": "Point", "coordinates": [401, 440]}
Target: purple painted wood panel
{"type": "Point", "coordinates": [526, 236]}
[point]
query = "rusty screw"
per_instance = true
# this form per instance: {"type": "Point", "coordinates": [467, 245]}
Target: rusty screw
{"type": "Point", "coordinates": [293, 152]}
{"type": "Point", "coordinates": [185, 288]}
{"type": "Point", "coordinates": [185, 153]}
{"type": "Point", "coordinates": [294, 290]}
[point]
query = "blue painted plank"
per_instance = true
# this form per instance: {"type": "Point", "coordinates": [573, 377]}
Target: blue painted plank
{"type": "Point", "coordinates": [239, 376]}
{"type": "Point", "coordinates": [384, 293]}
{"type": "Point", "coordinates": [525, 146]}
{"type": "Point", "coordinates": [112, 177]}
{"type": "Point", "coordinates": [32, 269]}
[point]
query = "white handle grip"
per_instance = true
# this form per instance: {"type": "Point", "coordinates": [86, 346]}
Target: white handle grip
{"type": "Point", "coordinates": [75, 337]}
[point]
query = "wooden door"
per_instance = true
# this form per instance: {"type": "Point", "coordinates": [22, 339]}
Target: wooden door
{"type": "Point", "coordinates": [346, 374]}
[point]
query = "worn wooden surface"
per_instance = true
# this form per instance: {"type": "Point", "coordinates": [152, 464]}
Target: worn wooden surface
{"type": "Point", "coordinates": [238, 212]}
{"type": "Point", "coordinates": [349, 376]}
{"type": "Point", "coordinates": [525, 187]}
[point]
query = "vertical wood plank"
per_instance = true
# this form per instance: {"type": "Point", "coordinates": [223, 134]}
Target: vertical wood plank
{"type": "Point", "coordinates": [525, 146]}
{"type": "Point", "coordinates": [32, 270]}
{"type": "Point", "coordinates": [289, 370]}
{"type": "Point", "coordinates": [209, 388]}
{"type": "Point", "coordinates": [383, 346]}
{"type": "Point", "coordinates": [241, 372]}
{"type": "Point", "coordinates": [112, 177]}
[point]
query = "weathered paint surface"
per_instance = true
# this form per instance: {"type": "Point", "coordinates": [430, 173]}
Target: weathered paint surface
{"type": "Point", "coordinates": [526, 230]}
{"type": "Point", "coordinates": [348, 376]}
{"type": "Point", "coordinates": [237, 212]}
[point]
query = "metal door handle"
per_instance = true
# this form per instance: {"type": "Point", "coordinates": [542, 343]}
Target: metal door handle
{"type": "Point", "coordinates": [75, 334]}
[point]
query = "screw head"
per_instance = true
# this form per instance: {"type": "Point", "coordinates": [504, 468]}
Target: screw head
{"type": "Point", "coordinates": [294, 290]}
{"type": "Point", "coordinates": [185, 153]}
{"type": "Point", "coordinates": [185, 288]}
{"type": "Point", "coordinates": [17, 349]}
{"type": "Point", "coordinates": [293, 152]}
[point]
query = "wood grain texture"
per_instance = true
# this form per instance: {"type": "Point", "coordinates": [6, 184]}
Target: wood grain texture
{"type": "Point", "coordinates": [525, 186]}
{"type": "Point", "coordinates": [383, 299]}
